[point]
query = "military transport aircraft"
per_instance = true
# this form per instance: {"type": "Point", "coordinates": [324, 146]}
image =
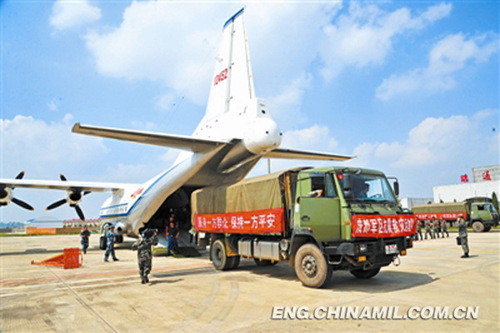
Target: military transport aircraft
{"type": "Point", "coordinates": [235, 132]}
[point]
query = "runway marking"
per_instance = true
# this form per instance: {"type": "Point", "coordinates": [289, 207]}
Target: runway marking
{"type": "Point", "coordinates": [213, 326]}
{"type": "Point", "coordinates": [23, 281]}
{"type": "Point", "coordinates": [83, 302]}
{"type": "Point", "coordinates": [199, 310]}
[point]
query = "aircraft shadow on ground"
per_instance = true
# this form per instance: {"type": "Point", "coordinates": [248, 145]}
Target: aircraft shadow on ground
{"type": "Point", "coordinates": [385, 281]}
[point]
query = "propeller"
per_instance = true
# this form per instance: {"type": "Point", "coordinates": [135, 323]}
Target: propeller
{"type": "Point", "coordinates": [6, 195]}
{"type": "Point", "coordinates": [74, 196]}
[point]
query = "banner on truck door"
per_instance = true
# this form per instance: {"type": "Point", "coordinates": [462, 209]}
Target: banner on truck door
{"type": "Point", "coordinates": [440, 216]}
{"type": "Point", "coordinates": [383, 226]}
{"type": "Point", "coordinates": [251, 222]}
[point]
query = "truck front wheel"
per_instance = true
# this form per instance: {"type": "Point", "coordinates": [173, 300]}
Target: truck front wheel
{"type": "Point", "coordinates": [311, 266]}
{"type": "Point", "coordinates": [477, 226]}
{"type": "Point", "coordinates": [361, 274]}
{"type": "Point", "coordinates": [219, 256]}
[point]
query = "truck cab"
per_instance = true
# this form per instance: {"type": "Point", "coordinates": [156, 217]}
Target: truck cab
{"type": "Point", "coordinates": [353, 216]}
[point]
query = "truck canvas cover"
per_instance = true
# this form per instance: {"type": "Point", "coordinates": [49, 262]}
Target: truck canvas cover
{"type": "Point", "coordinates": [441, 211]}
{"type": "Point", "coordinates": [254, 205]}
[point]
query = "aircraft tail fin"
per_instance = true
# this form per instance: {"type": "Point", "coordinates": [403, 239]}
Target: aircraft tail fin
{"type": "Point", "coordinates": [232, 85]}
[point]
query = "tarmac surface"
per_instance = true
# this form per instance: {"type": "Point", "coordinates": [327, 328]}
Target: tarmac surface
{"type": "Point", "coordinates": [189, 295]}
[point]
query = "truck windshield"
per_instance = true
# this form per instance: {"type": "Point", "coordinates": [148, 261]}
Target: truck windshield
{"type": "Point", "coordinates": [492, 208]}
{"type": "Point", "coordinates": [366, 187]}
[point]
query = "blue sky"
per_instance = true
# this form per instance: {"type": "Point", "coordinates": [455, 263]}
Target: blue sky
{"type": "Point", "coordinates": [411, 88]}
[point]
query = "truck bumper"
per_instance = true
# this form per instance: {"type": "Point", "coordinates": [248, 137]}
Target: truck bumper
{"type": "Point", "coordinates": [376, 253]}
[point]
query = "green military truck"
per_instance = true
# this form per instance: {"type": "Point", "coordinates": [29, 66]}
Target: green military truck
{"type": "Point", "coordinates": [319, 220]}
{"type": "Point", "coordinates": [479, 212]}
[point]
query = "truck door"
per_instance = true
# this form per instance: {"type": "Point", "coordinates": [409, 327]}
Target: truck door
{"type": "Point", "coordinates": [319, 207]}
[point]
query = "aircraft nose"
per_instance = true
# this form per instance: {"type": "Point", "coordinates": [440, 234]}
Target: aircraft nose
{"type": "Point", "coordinates": [262, 135]}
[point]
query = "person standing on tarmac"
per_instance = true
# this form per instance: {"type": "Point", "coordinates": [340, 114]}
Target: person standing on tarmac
{"type": "Point", "coordinates": [462, 234]}
{"type": "Point", "coordinates": [435, 230]}
{"type": "Point", "coordinates": [172, 235]}
{"type": "Point", "coordinates": [143, 245]}
{"type": "Point", "coordinates": [444, 229]}
{"type": "Point", "coordinates": [110, 244]}
{"type": "Point", "coordinates": [428, 229]}
{"type": "Point", "coordinates": [418, 233]}
{"type": "Point", "coordinates": [85, 234]}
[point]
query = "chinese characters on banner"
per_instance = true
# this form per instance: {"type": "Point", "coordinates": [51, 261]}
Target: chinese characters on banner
{"type": "Point", "coordinates": [383, 226]}
{"type": "Point", "coordinates": [486, 175]}
{"type": "Point", "coordinates": [261, 221]}
{"type": "Point", "coordinates": [440, 216]}
{"type": "Point", "coordinates": [464, 178]}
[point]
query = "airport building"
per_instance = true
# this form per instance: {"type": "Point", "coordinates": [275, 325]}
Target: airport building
{"type": "Point", "coordinates": [485, 181]}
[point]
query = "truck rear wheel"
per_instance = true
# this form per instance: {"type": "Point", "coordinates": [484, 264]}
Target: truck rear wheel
{"type": "Point", "coordinates": [361, 274]}
{"type": "Point", "coordinates": [219, 256]}
{"type": "Point", "coordinates": [478, 226]}
{"type": "Point", "coordinates": [311, 266]}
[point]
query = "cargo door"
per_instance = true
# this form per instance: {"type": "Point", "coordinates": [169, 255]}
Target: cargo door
{"type": "Point", "coordinates": [320, 209]}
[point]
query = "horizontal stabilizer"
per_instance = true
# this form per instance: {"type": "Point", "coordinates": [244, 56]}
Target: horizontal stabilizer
{"type": "Point", "coordinates": [183, 142]}
{"type": "Point", "coordinates": [66, 185]}
{"type": "Point", "coordinates": [305, 155]}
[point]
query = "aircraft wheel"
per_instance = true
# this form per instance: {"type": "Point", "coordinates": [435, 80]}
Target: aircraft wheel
{"type": "Point", "coordinates": [102, 242]}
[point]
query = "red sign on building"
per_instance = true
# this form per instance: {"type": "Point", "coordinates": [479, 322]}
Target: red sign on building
{"type": "Point", "coordinates": [464, 178]}
{"type": "Point", "coordinates": [251, 222]}
{"type": "Point", "coordinates": [486, 175]}
{"type": "Point", "coordinates": [383, 226]}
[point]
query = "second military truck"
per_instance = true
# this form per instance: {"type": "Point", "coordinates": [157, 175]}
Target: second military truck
{"type": "Point", "coordinates": [479, 212]}
{"type": "Point", "coordinates": [319, 220]}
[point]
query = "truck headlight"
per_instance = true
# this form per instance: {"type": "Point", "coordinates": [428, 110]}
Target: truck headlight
{"type": "Point", "coordinates": [360, 248]}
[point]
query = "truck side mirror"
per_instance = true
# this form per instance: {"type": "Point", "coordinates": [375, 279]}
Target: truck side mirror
{"type": "Point", "coordinates": [396, 187]}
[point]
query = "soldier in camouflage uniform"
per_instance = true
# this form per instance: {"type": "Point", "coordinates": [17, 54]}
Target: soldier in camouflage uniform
{"type": "Point", "coordinates": [435, 229]}
{"type": "Point", "coordinates": [144, 253]}
{"type": "Point", "coordinates": [110, 244]}
{"type": "Point", "coordinates": [444, 229]}
{"type": "Point", "coordinates": [418, 234]}
{"type": "Point", "coordinates": [428, 230]}
{"type": "Point", "coordinates": [462, 234]}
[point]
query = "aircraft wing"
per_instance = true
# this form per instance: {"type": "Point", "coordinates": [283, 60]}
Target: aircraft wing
{"type": "Point", "coordinates": [65, 185]}
{"type": "Point", "coordinates": [195, 145]}
{"type": "Point", "coordinates": [305, 155]}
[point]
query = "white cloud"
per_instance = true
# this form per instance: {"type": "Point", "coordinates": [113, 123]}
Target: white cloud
{"type": "Point", "coordinates": [315, 137]}
{"type": "Point", "coordinates": [43, 148]}
{"type": "Point", "coordinates": [176, 43]}
{"type": "Point", "coordinates": [365, 35]}
{"type": "Point", "coordinates": [69, 14]}
{"type": "Point", "coordinates": [446, 58]}
{"type": "Point", "coordinates": [436, 141]}
{"type": "Point", "coordinates": [286, 105]}
{"type": "Point", "coordinates": [162, 42]}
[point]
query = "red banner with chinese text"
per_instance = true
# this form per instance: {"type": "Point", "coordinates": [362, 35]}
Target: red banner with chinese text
{"type": "Point", "coordinates": [383, 226]}
{"type": "Point", "coordinates": [251, 222]}
{"type": "Point", "coordinates": [440, 216]}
